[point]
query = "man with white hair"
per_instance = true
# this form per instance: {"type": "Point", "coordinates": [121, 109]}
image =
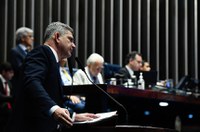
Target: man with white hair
{"type": "Point", "coordinates": [93, 70]}
{"type": "Point", "coordinates": [24, 41]}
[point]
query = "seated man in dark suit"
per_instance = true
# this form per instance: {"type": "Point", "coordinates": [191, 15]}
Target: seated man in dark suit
{"type": "Point", "coordinates": [6, 74]}
{"type": "Point", "coordinates": [133, 63]}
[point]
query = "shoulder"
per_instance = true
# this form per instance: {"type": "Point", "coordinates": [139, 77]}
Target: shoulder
{"type": "Point", "coordinates": [40, 56]}
{"type": "Point", "coordinates": [123, 69]}
{"type": "Point", "coordinates": [16, 49]}
{"type": "Point", "coordinates": [41, 50]}
{"type": "Point", "coordinates": [79, 72]}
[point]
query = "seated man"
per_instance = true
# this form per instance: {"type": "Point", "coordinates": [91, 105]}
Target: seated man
{"type": "Point", "coordinates": [74, 102]}
{"type": "Point", "coordinates": [6, 74]}
{"type": "Point", "coordinates": [93, 71]}
{"type": "Point", "coordinates": [133, 63]}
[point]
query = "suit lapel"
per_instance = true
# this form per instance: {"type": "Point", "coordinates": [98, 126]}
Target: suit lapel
{"type": "Point", "coordinates": [56, 67]}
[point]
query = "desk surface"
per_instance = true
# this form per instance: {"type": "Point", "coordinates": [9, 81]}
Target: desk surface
{"type": "Point", "coordinates": [121, 90]}
{"type": "Point", "coordinates": [150, 94]}
{"type": "Point", "coordinates": [137, 101]}
{"type": "Point", "coordinates": [118, 128]}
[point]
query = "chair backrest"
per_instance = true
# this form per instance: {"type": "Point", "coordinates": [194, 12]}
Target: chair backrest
{"type": "Point", "coordinates": [110, 70]}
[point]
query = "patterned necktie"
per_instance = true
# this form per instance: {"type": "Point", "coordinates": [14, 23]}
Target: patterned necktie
{"type": "Point", "coordinates": [95, 80]}
{"type": "Point", "coordinates": [66, 74]}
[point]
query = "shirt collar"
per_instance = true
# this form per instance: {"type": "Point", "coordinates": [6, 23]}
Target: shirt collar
{"type": "Point", "coordinates": [22, 46]}
{"type": "Point", "coordinates": [54, 52]}
{"type": "Point", "coordinates": [3, 79]}
{"type": "Point", "coordinates": [129, 70]}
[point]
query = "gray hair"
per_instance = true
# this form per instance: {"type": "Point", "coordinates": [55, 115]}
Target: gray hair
{"type": "Point", "coordinates": [94, 57]}
{"type": "Point", "coordinates": [56, 27]}
{"type": "Point", "coordinates": [22, 32]}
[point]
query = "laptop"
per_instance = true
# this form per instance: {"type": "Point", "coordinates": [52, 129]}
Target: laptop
{"type": "Point", "coordinates": [150, 77]}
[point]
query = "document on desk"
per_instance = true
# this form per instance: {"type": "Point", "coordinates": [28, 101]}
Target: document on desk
{"type": "Point", "coordinates": [102, 116]}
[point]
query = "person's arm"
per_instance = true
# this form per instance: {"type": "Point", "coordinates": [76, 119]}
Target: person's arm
{"type": "Point", "coordinates": [77, 78]}
{"type": "Point", "coordinates": [35, 71]}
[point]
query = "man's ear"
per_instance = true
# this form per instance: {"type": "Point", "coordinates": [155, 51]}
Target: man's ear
{"type": "Point", "coordinates": [23, 39]}
{"type": "Point", "coordinates": [56, 36]}
{"type": "Point", "coordinates": [131, 59]}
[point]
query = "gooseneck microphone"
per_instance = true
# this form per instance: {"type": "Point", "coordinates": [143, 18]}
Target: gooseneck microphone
{"type": "Point", "coordinates": [109, 96]}
{"type": "Point", "coordinates": [69, 61]}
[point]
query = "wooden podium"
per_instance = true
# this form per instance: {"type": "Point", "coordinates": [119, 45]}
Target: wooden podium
{"type": "Point", "coordinates": [118, 128]}
{"type": "Point", "coordinates": [95, 100]}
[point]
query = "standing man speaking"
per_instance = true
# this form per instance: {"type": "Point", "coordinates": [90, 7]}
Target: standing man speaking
{"type": "Point", "coordinates": [39, 101]}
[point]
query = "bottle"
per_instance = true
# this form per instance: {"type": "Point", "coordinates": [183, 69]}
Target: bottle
{"type": "Point", "coordinates": [113, 81]}
{"type": "Point", "coordinates": [130, 83]}
{"type": "Point", "coordinates": [134, 80]}
{"type": "Point", "coordinates": [141, 82]}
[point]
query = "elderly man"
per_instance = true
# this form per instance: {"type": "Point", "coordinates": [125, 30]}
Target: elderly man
{"type": "Point", "coordinates": [24, 40]}
{"type": "Point", "coordinates": [93, 71]}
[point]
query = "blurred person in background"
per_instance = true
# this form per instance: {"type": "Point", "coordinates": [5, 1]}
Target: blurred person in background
{"type": "Point", "coordinates": [133, 62]}
{"type": "Point", "coordinates": [93, 70]}
{"type": "Point", "coordinates": [24, 41]}
{"type": "Point", "coordinates": [75, 102]}
{"type": "Point", "coordinates": [6, 74]}
{"type": "Point", "coordinates": [145, 66]}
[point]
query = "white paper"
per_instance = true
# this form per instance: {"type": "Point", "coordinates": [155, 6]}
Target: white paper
{"type": "Point", "coordinates": [102, 116]}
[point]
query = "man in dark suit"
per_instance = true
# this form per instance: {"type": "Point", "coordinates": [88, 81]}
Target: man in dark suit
{"type": "Point", "coordinates": [39, 102]}
{"type": "Point", "coordinates": [6, 74]}
{"type": "Point", "coordinates": [24, 40]}
{"type": "Point", "coordinates": [133, 62]}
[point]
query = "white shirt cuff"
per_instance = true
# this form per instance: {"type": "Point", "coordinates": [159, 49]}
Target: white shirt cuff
{"type": "Point", "coordinates": [53, 109]}
{"type": "Point", "coordinates": [73, 116]}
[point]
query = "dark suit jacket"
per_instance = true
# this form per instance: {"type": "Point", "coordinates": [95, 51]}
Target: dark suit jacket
{"type": "Point", "coordinates": [124, 71]}
{"type": "Point", "coordinates": [16, 58]}
{"type": "Point", "coordinates": [40, 91]}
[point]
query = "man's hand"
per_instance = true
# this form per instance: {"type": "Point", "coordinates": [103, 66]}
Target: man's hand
{"type": "Point", "coordinates": [62, 115]}
{"type": "Point", "coordinates": [75, 99]}
{"type": "Point", "coordinates": [85, 117]}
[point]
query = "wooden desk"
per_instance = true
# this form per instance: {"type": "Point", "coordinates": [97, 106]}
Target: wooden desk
{"type": "Point", "coordinates": [142, 105]}
{"type": "Point", "coordinates": [137, 102]}
{"type": "Point", "coordinates": [150, 94]}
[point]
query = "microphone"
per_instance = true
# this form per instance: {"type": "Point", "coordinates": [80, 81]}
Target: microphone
{"type": "Point", "coordinates": [108, 95]}
{"type": "Point", "coordinates": [69, 61]}
{"type": "Point", "coordinates": [80, 65]}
